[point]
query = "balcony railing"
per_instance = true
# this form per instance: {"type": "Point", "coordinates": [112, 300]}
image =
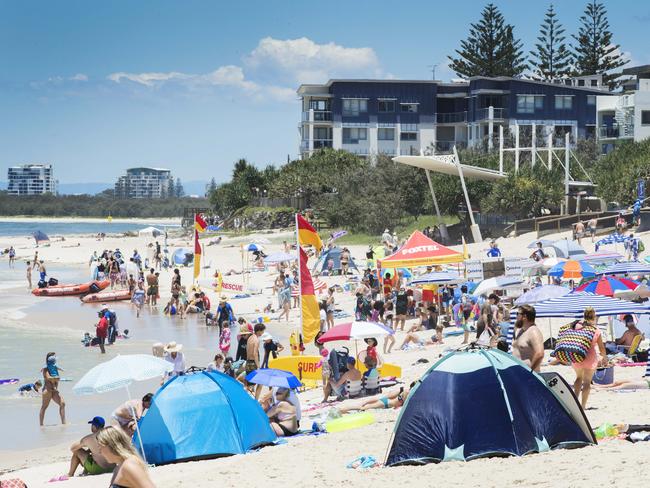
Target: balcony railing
{"type": "Point", "coordinates": [320, 143]}
{"type": "Point", "coordinates": [608, 132]}
{"type": "Point", "coordinates": [484, 114]}
{"type": "Point", "coordinates": [451, 117]}
{"type": "Point", "coordinates": [319, 116]}
{"type": "Point", "coordinates": [444, 146]}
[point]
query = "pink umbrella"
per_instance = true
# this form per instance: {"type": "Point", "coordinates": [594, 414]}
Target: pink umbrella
{"type": "Point", "coordinates": [355, 330]}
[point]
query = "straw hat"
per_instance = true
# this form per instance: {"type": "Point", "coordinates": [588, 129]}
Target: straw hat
{"type": "Point", "coordinates": [244, 329]}
{"type": "Point", "coordinates": [223, 299]}
{"type": "Point", "coordinates": [173, 347]}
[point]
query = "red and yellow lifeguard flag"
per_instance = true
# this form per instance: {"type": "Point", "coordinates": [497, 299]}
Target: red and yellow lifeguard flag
{"type": "Point", "coordinates": [199, 223]}
{"type": "Point", "coordinates": [310, 310]}
{"type": "Point", "coordinates": [307, 234]}
{"type": "Point", "coordinates": [197, 255]}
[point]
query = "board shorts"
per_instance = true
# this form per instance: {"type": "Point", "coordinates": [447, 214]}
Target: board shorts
{"type": "Point", "coordinates": [152, 291]}
{"type": "Point", "coordinates": [91, 467]}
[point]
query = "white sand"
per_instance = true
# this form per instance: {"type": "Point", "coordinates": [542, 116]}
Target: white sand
{"type": "Point", "coordinates": [321, 460]}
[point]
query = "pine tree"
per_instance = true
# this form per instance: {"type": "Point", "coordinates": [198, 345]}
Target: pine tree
{"type": "Point", "coordinates": [490, 48]}
{"type": "Point", "coordinates": [179, 189]}
{"type": "Point", "coordinates": [595, 53]}
{"type": "Point", "coordinates": [170, 190]}
{"type": "Point", "coordinates": [213, 184]}
{"type": "Point", "coordinates": [551, 59]}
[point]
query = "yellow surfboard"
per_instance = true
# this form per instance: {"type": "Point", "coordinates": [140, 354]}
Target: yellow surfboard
{"type": "Point", "coordinates": [305, 367]}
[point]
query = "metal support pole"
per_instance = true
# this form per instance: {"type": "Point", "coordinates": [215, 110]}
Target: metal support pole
{"type": "Point", "coordinates": [476, 231]}
{"type": "Point", "coordinates": [443, 228]}
{"type": "Point", "coordinates": [567, 173]}
{"type": "Point", "coordinates": [517, 149]}
{"type": "Point", "coordinates": [501, 149]}
{"type": "Point", "coordinates": [533, 148]}
{"type": "Point", "coordinates": [549, 145]}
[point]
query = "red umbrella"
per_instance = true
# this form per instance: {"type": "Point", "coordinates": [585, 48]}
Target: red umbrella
{"type": "Point", "coordinates": [608, 286]}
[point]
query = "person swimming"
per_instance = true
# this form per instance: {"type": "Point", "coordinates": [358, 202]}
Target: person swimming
{"type": "Point", "coordinates": [30, 387]}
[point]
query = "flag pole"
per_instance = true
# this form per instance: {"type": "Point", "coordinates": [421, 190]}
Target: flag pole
{"type": "Point", "coordinates": [299, 275]}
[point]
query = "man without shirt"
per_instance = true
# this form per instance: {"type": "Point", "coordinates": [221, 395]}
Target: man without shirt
{"type": "Point", "coordinates": [528, 344]}
{"type": "Point", "coordinates": [253, 352]}
{"type": "Point", "coordinates": [86, 452]}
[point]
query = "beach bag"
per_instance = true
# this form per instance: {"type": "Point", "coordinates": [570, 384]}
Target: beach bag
{"type": "Point", "coordinates": [641, 246]}
{"type": "Point", "coordinates": [52, 282]}
{"type": "Point", "coordinates": [604, 376]}
{"type": "Point", "coordinates": [573, 344]}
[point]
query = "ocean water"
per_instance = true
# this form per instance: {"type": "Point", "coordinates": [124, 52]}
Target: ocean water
{"type": "Point", "coordinates": [21, 229]}
{"type": "Point", "coordinates": [30, 327]}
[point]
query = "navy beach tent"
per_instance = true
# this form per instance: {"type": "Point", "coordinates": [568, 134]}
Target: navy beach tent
{"type": "Point", "coordinates": [202, 415]}
{"type": "Point", "coordinates": [335, 255]}
{"type": "Point", "coordinates": [482, 402]}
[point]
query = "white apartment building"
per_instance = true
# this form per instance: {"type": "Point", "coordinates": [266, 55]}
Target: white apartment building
{"type": "Point", "coordinates": [31, 179]}
{"type": "Point", "coordinates": [143, 183]}
{"type": "Point", "coordinates": [627, 115]}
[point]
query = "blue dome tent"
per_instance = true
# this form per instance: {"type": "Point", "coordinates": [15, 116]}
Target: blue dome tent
{"type": "Point", "coordinates": [335, 255]}
{"type": "Point", "coordinates": [483, 403]}
{"type": "Point", "coordinates": [202, 415]}
{"type": "Point", "coordinates": [183, 257]}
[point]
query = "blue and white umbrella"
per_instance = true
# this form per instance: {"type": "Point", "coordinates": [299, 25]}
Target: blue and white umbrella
{"type": "Point", "coordinates": [564, 248]}
{"type": "Point", "coordinates": [438, 277]}
{"type": "Point", "coordinates": [273, 377]}
{"type": "Point", "coordinates": [254, 247]}
{"type": "Point", "coordinates": [542, 293]}
{"type": "Point", "coordinates": [634, 268]}
{"type": "Point", "coordinates": [573, 306]}
{"type": "Point", "coordinates": [498, 283]}
{"type": "Point", "coordinates": [614, 238]}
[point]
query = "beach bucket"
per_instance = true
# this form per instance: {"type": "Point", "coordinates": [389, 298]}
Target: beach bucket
{"type": "Point", "coordinates": [604, 376]}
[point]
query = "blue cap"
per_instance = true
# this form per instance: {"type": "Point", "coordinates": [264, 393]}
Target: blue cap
{"type": "Point", "coordinates": [98, 422]}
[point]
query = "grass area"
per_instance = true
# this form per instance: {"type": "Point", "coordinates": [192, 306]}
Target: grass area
{"type": "Point", "coordinates": [403, 230]}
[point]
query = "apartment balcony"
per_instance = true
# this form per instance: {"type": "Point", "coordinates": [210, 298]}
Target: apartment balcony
{"type": "Point", "coordinates": [445, 146]}
{"type": "Point", "coordinates": [321, 143]}
{"type": "Point", "coordinates": [498, 114]}
{"type": "Point", "coordinates": [451, 117]}
{"type": "Point", "coordinates": [319, 116]}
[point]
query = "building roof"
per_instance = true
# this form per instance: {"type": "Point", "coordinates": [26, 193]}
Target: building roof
{"type": "Point", "coordinates": [638, 70]}
{"type": "Point", "coordinates": [147, 169]}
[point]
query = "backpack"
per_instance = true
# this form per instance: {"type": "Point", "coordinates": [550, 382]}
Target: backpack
{"type": "Point", "coordinates": [338, 362]}
{"type": "Point", "coordinates": [641, 246]}
{"type": "Point", "coordinates": [573, 344]}
{"type": "Point", "coordinates": [52, 282]}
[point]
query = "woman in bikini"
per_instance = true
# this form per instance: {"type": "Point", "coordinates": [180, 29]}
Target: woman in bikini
{"type": "Point", "coordinates": [130, 471]}
{"type": "Point", "coordinates": [51, 387]}
{"type": "Point", "coordinates": [282, 415]}
{"type": "Point", "coordinates": [394, 399]}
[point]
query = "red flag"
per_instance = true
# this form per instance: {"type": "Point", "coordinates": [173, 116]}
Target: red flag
{"type": "Point", "coordinates": [197, 255]}
{"type": "Point", "coordinates": [310, 310]}
{"type": "Point", "coordinates": [199, 223]}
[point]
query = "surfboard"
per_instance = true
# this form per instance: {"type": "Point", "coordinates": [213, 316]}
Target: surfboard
{"type": "Point", "coordinates": [305, 367]}
{"type": "Point", "coordinates": [564, 393]}
{"type": "Point", "coordinates": [9, 381]}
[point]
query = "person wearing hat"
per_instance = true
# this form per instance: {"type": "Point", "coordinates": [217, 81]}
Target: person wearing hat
{"type": "Point", "coordinates": [245, 330]}
{"type": "Point", "coordinates": [224, 313]}
{"type": "Point", "coordinates": [86, 452]}
{"type": "Point", "coordinates": [174, 355]}
{"type": "Point", "coordinates": [271, 347]}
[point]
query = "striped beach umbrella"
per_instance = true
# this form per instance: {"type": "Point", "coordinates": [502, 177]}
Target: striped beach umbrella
{"type": "Point", "coordinates": [572, 270]}
{"type": "Point", "coordinates": [319, 287]}
{"type": "Point", "coordinates": [614, 238]}
{"type": "Point", "coordinates": [634, 268]}
{"type": "Point", "coordinates": [541, 293]}
{"type": "Point", "coordinates": [608, 286]}
{"type": "Point", "coordinates": [573, 306]}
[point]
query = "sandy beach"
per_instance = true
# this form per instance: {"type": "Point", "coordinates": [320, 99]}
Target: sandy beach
{"type": "Point", "coordinates": [306, 461]}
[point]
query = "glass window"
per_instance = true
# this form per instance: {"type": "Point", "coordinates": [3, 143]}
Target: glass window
{"type": "Point", "coordinates": [581, 82]}
{"type": "Point", "coordinates": [563, 102]}
{"type": "Point", "coordinates": [385, 134]}
{"type": "Point", "coordinates": [409, 127]}
{"type": "Point", "coordinates": [591, 99]}
{"type": "Point", "coordinates": [318, 104]}
{"type": "Point", "coordinates": [645, 117]}
{"type": "Point", "coordinates": [408, 136]}
{"type": "Point", "coordinates": [594, 82]}
{"type": "Point", "coordinates": [354, 107]}
{"type": "Point", "coordinates": [352, 135]}
{"type": "Point", "coordinates": [386, 106]}
{"type": "Point", "coordinates": [409, 107]}
{"type": "Point", "coordinates": [322, 133]}
{"type": "Point", "coordinates": [527, 104]}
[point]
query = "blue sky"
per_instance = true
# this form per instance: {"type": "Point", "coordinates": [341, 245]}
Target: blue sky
{"type": "Point", "coordinates": [96, 87]}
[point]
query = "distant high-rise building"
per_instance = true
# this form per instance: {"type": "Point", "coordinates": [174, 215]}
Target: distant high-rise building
{"type": "Point", "coordinates": [31, 179]}
{"type": "Point", "coordinates": [144, 183]}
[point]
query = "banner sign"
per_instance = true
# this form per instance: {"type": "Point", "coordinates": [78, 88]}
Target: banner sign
{"type": "Point", "coordinates": [474, 270]}
{"type": "Point", "coordinates": [513, 267]}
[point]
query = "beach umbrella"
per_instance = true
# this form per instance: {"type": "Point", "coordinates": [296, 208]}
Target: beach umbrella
{"type": "Point", "coordinates": [273, 377]}
{"type": "Point", "coordinates": [355, 330]}
{"type": "Point", "coordinates": [564, 248]}
{"type": "Point", "coordinates": [254, 247]}
{"type": "Point", "coordinates": [120, 372]}
{"type": "Point", "coordinates": [573, 305]}
{"type": "Point", "coordinates": [608, 286]}
{"type": "Point", "coordinates": [599, 257]}
{"type": "Point", "coordinates": [634, 268]}
{"type": "Point", "coordinates": [545, 243]}
{"type": "Point", "coordinates": [338, 234]}
{"type": "Point", "coordinates": [40, 236]}
{"type": "Point", "coordinates": [319, 287]}
{"type": "Point", "coordinates": [542, 293]}
{"type": "Point", "coordinates": [279, 257]}
{"type": "Point", "coordinates": [437, 277]}
{"type": "Point", "coordinates": [614, 238]}
{"type": "Point", "coordinates": [572, 270]}
{"type": "Point", "coordinates": [406, 273]}
{"type": "Point", "coordinates": [498, 283]}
